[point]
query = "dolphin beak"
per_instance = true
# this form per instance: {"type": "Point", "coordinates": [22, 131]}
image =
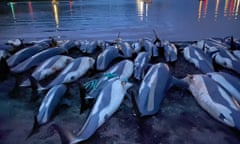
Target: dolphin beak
{"type": "Point", "coordinates": [128, 85]}
{"type": "Point", "coordinates": [185, 79]}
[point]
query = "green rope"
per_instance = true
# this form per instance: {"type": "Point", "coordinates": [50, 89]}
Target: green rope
{"type": "Point", "coordinates": [110, 75]}
{"type": "Point", "coordinates": [93, 83]}
{"type": "Point", "coordinates": [90, 84]}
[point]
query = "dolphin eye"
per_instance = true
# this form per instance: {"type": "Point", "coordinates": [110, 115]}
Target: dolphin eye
{"type": "Point", "coordinates": [123, 83]}
{"type": "Point", "coordinates": [68, 61]}
{"type": "Point", "coordinates": [224, 63]}
{"type": "Point", "coordinates": [191, 77]}
{"type": "Point", "coordinates": [72, 78]}
{"type": "Point", "coordinates": [222, 117]}
{"type": "Point", "coordinates": [90, 60]}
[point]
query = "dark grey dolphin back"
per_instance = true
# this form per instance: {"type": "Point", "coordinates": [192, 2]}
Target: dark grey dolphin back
{"type": "Point", "coordinates": [106, 57]}
{"type": "Point", "coordinates": [152, 89]}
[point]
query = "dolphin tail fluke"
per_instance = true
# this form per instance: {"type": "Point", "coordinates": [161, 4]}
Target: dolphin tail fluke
{"type": "Point", "coordinates": [66, 136]}
{"type": "Point", "coordinates": [34, 87]}
{"type": "Point", "coordinates": [157, 40]}
{"type": "Point", "coordinates": [178, 82]}
{"type": "Point", "coordinates": [34, 83]}
{"type": "Point", "coordinates": [35, 128]}
{"type": "Point", "coordinates": [4, 69]}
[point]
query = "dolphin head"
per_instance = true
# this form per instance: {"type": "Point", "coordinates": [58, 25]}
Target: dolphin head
{"type": "Point", "coordinates": [195, 82]}
{"type": "Point", "coordinates": [228, 63]}
{"type": "Point", "coordinates": [45, 73]}
{"type": "Point", "coordinates": [126, 85]}
{"type": "Point", "coordinates": [91, 62]}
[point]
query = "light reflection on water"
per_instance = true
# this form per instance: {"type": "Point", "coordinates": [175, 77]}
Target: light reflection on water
{"type": "Point", "coordinates": [188, 19]}
{"type": "Point", "coordinates": [231, 9]}
{"type": "Point", "coordinates": [55, 11]}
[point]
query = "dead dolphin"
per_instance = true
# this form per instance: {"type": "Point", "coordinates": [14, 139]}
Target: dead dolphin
{"type": "Point", "coordinates": [89, 47]}
{"type": "Point", "coordinates": [234, 43]}
{"type": "Point", "coordinates": [77, 68]}
{"type": "Point", "coordinates": [170, 52]}
{"type": "Point", "coordinates": [225, 59]}
{"type": "Point", "coordinates": [214, 99]}
{"type": "Point", "coordinates": [68, 44]}
{"type": "Point", "coordinates": [92, 47]}
{"type": "Point", "coordinates": [153, 89]}
{"type": "Point", "coordinates": [106, 104]}
{"type": "Point", "coordinates": [106, 57]}
{"type": "Point", "coordinates": [47, 107]}
{"type": "Point", "coordinates": [49, 67]}
{"type": "Point", "coordinates": [125, 49]}
{"type": "Point", "coordinates": [16, 43]}
{"type": "Point", "coordinates": [150, 47]}
{"type": "Point", "coordinates": [49, 103]}
{"type": "Point", "coordinates": [50, 41]}
{"type": "Point", "coordinates": [141, 63]}
{"type": "Point", "coordinates": [25, 53]}
{"type": "Point", "coordinates": [229, 82]}
{"type": "Point", "coordinates": [37, 59]}
{"type": "Point", "coordinates": [122, 70]}
{"type": "Point", "coordinates": [137, 46]}
{"type": "Point", "coordinates": [209, 44]}
{"type": "Point", "coordinates": [198, 58]}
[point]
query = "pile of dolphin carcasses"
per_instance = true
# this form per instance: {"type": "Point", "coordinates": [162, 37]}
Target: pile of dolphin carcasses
{"type": "Point", "coordinates": [113, 67]}
{"type": "Point", "coordinates": [217, 89]}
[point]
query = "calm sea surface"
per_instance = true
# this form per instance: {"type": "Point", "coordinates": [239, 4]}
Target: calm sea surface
{"type": "Point", "coordinates": [103, 19]}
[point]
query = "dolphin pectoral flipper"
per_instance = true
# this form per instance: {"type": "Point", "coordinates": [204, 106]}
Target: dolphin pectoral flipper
{"type": "Point", "coordinates": [178, 82]}
{"type": "Point", "coordinates": [84, 104]}
{"type": "Point", "coordinates": [34, 87]}
{"type": "Point", "coordinates": [35, 127]}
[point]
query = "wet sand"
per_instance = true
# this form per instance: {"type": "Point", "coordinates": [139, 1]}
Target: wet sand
{"type": "Point", "coordinates": [180, 119]}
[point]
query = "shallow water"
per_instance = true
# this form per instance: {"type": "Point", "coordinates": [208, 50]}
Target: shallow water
{"type": "Point", "coordinates": [103, 19]}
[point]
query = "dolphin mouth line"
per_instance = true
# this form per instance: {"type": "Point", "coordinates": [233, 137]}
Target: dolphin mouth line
{"type": "Point", "coordinates": [237, 104]}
